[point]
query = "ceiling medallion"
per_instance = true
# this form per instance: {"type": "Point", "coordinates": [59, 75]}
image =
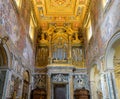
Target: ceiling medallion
{"type": "Point", "coordinates": [56, 3]}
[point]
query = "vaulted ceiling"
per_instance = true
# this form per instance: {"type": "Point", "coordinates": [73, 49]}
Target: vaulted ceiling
{"type": "Point", "coordinates": [61, 13]}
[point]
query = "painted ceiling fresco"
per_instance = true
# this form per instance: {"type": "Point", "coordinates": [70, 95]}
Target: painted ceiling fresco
{"type": "Point", "coordinates": [61, 12]}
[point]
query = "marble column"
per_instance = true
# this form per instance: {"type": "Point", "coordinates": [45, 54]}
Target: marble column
{"type": "Point", "coordinates": [110, 78]}
{"type": "Point", "coordinates": [49, 86]}
{"type": "Point", "coordinates": [71, 93]}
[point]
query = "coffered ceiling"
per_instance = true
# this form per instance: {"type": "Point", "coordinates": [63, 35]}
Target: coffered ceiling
{"type": "Point", "coordinates": [61, 12]}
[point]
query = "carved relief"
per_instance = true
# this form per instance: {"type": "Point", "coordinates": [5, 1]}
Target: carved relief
{"type": "Point", "coordinates": [81, 81]}
{"type": "Point", "coordinates": [77, 56]}
{"type": "Point", "coordinates": [39, 81]}
{"type": "Point", "coordinates": [60, 78]}
{"type": "Point", "coordinates": [42, 56]}
{"type": "Point", "coordinates": [14, 86]}
{"type": "Point", "coordinates": [42, 51]}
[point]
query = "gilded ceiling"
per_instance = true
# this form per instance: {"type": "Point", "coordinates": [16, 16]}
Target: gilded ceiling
{"type": "Point", "coordinates": [61, 13]}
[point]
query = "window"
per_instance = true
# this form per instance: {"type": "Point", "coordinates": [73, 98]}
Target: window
{"type": "Point", "coordinates": [89, 32]}
{"type": "Point", "coordinates": [105, 2]}
{"type": "Point", "coordinates": [32, 27]}
{"type": "Point", "coordinates": [18, 3]}
{"type": "Point", "coordinates": [31, 30]}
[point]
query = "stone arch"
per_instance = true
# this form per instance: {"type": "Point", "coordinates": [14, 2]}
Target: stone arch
{"type": "Point", "coordinates": [109, 67]}
{"type": "Point", "coordinates": [4, 56]}
{"type": "Point", "coordinates": [5, 61]}
{"type": "Point", "coordinates": [110, 50]}
{"type": "Point", "coordinates": [26, 75]}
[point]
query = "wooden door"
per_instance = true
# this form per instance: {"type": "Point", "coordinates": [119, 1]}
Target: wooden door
{"type": "Point", "coordinates": [81, 94]}
{"type": "Point", "coordinates": [38, 94]}
{"type": "Point", "coordinates": [60, 91]}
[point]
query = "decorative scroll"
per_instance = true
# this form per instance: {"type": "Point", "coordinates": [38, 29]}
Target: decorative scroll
{"type": "Point", "coordinates": [81, 81]}
{"type": "Point", "coordinates": [60, 78]}
{"type": "Point", "coordinates": [40, 81]}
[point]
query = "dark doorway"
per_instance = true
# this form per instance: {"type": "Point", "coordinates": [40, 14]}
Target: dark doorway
{"type": "Point", "coordinates": [38, 94]}
{"type": "Point", "coordinates": [60, 91]}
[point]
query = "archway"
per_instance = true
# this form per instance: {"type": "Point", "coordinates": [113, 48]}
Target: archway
{"type": "Point", "coordinates": [116, 63]}
{"type": "Point", "coordinates": [112, 66]}
{"type": "Point", "coordinates": [26, 82]}
{"type": "Point", "coordinates": [3, 64]}
{"type": "Point", "coordinates": [3, 56]}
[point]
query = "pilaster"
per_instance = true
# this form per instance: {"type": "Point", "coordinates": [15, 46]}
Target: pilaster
{"type": "Point", "coordinates": [92, 87]}
{"type": "Point", "coordinates": [71, 86]}
{"type": "Point", "coordinates": [48, 86]}
{"type": "Point", "coordinates": [110, 78]}
{"type": "Point", "coordinates": [104, 86]}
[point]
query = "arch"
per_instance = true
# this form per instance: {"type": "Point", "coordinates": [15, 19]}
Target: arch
{"type": "Point", "coordinates": [3, 56]}
{"type": "Point", "coordinates": [26, 76]}
{"type": "Point", "coordinates": [113, 44]}
{"type": "Point", "coordinates": [110, 50]}
{"type": "Point", "coordinates": [5, 59]}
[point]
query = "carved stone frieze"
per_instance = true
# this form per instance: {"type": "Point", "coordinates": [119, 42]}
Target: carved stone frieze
{"type": "Point", "coordinates": [40, 80]}
{"type": "Point", "coordinates": [81, 81]}
{"type": "Point", "coordinates": [77, 56]}
{"type": "Point", "coordinates": [60, 78]}
{"type": "Point", "coordinates": [42, 56]}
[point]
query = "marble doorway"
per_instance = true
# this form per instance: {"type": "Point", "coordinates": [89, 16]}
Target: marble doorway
{"type": "Point", "coordinates": [60, 86]}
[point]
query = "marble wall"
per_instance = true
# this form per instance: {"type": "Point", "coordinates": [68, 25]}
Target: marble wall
{"type": "Point", "coordinates": [105, 23]}
{"type": "Point", "coordinates": [14, 23]}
